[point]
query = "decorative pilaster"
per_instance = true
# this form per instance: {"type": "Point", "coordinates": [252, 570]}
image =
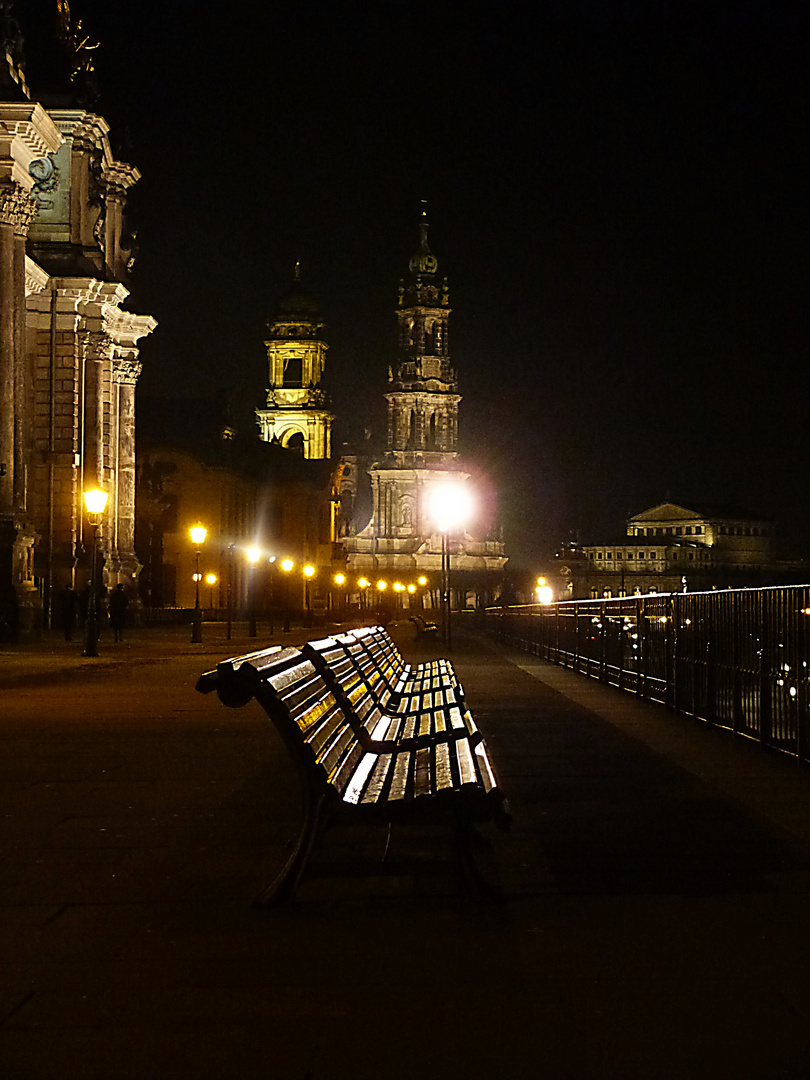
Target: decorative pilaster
{"type": "Point", "coordinates": [125, 376]}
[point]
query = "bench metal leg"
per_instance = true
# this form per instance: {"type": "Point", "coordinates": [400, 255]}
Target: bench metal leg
{"type": "Point", "coordinates": [285, 886]}
{"type": "Point", "coordinates": [469, 870]}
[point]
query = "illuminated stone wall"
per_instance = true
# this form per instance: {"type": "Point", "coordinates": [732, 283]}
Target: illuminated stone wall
{"type": "Point", "coordinates": [68, 359]}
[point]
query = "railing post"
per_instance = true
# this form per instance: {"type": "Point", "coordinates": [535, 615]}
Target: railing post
{"type": "Point", "coordinates": [670, 654]}
{"type": "Point", "coordinates": [602, 645]}
{"type": "Point", "coordinates": [802, 674]}
{"type": "Point", "coordinates": [765, 689]}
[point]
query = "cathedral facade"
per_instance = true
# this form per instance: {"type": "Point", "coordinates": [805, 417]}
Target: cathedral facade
{"type": "Point", "coordinates": [422, 452]}
{"type": "Point", "coordinates": [68, 348]}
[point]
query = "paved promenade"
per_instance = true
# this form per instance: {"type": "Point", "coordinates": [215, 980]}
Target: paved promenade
{"type": "Point", "coordinates": [654, 923]}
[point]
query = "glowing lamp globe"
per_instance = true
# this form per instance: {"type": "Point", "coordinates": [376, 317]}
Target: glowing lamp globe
{"type": "Point", "coordinates": [95, 501]}
{"type": "Point", "coordinates": [198, 534]}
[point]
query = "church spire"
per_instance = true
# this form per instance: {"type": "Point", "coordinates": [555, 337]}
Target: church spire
{"type": "Point", "coordinates": [424, 261]}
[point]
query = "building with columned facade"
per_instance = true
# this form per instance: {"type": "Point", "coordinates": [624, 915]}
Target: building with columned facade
{"type": "Point", "coordinates": [68, 347]}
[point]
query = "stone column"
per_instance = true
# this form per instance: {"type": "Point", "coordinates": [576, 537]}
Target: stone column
{"type": "Point", "coordinates": [125, 376]}
{"type": "Point", "coordinates": [10, 196]}
{"type": "Point", "coordinates": [96, 346]}
{"type": "Point", "coordinates": [18, 597]}
{"type": "Point", "coordinates": [23, 371]}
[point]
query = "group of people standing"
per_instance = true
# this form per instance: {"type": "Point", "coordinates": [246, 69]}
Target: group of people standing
{"type": "Point", "coordinates": [112, 604]}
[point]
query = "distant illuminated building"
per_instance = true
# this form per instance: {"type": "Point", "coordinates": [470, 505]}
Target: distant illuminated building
{"type": "Point", "coordinates": [670, 548]}
{"type": "Point", "coordinates": [422, 450]}
{"type": "Point", "coordinates": [296, 412]}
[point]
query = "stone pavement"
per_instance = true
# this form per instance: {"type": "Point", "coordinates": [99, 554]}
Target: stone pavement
{"type": "Point", "coordinates": [653, 923]}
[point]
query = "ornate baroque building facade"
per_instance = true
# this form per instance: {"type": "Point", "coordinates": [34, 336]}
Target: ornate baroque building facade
{"type": "Point", "coordinates": [422, 451]}
{"type": "Point", "coordinates": [68, 351]}
{"type": "Point", "coordinates": [296, 411]}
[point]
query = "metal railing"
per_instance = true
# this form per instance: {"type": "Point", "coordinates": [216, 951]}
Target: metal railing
{"type": "Point", "coordinates": [737, 659]}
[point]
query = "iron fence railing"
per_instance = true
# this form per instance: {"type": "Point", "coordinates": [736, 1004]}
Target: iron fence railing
{"type": "Point", "coordinates": [737, 659]}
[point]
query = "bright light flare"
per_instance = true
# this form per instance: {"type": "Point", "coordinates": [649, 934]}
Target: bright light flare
{"type": "Point", "coordinates": [210, 579]}
{"type": "Point", "coordinates": [253, 555]}
{"type": "Point", "coordinates": [95, 501]}
{"type": "Point", "coordinates": [545, 594]}
{"type": "Point", "coordinates": [198, 534]}
{"type": "Point", "coordinates": [309, 571]}
{"type": "Point", "coordinates": [450, 505]}
{"type": "Point", "coordinates": [287, 565]}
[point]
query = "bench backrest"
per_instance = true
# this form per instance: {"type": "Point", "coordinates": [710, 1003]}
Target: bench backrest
{"type": "Point", "coordinates": [303, 708]}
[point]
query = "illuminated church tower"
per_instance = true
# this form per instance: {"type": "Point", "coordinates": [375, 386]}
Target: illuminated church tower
{"type": "Point", "coordinates": [422, 449]}
{"type": "Point", "coordinates": [296, 414]}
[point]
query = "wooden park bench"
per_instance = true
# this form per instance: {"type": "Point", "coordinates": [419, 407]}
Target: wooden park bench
{"type": "Point", "coordinates": [423, 626]}
{"type": "Point", "coordinates": [365, 771]}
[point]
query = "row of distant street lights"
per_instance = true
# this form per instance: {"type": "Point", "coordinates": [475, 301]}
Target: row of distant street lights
{"type": "Point", "coordinates": [255, 555]}
{"type": "Point", "coordinates": [450, 508]}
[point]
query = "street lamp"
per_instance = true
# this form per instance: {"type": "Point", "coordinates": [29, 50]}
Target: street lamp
{"type": "Point", "coordinates": [287, 565]}
{"type": "Point", "coordinates": [95, 501]}
{"type": "Point", "coordinates": [253, 555]}
{"type": "Point", "coordinates": [210, 581]}
{"type": "Point", "coordinates": [340, 580]}
{"type": "Point", "coordinates": [362, 585]}
{"type": "Point", "coordinates": [309, 573]}
{"type": "Point", "coordinates": [451, 507]}
{"type": "Point", "coordinates": [197, 534]}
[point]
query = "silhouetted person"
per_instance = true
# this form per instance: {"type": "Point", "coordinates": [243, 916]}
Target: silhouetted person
{"type": "Point", "coordinates": [69, 609]}
{"type": "Point", "coordinates": [118, 604]}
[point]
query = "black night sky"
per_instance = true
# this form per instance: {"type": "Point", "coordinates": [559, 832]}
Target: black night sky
{"type": "Point", "coordinates": [617, 193]}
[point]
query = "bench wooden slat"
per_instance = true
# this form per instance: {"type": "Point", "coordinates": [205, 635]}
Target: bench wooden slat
{"type": "Point", "coordinates": [378, 779]}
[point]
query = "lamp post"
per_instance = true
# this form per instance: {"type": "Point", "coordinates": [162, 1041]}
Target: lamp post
{"type": "Point", "coordinates": [95, 501]}
{"type": "Point", "coordinates": [287, 565]}
{"type": "Point", "coordinates": [309, 574]}
{"type": "Point", "coordinates": [197, 534]}
{"type": "Point", "coordinates": [252, 557]}
{"type": "Point", "coordinates": [362, 585]}
{"type": "Point", "coordinates": [229, 593]}
{"type": "Point", "coordinates": [210, 581]}
{"type": "Point", "coordinates": [450, 508]}
{"type": "Point", "coordinates": [339, 580]}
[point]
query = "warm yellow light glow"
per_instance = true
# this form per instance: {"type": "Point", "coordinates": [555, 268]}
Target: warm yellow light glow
{"type": "Point", "coordinates": [95, 501]}
{"type": "Point", "coordinates": [450, 505]}
{"type": "Point", "coordinates": [196, 577]}
{"type": "Point", "coordinates": [340, 579]}
{"type": "Point", "coordinates": [287, 565]}
{"type": "Point", "coordinates": [541, 581]}
{"type": "Point", "coordinates": [399, 587]}
{"type": "Point", "coordinates": [411, 588]}
{"type": "Point", "coordinates": [198, 534]}
{"type": "Point", "coordinates": [363, 583]}
{"type": "Point", "coordinates": [309, 571]}
{"type": "Point", "coordinates": [382, 585]}
{"type": "Point", "coordinates": [421, 580]}
{"type": "Point", "coordinates": [253, 555]}
{"type": "Point", "coordinates": [545, 594]}
{"type": "Point", "coordinates": [211, 579]}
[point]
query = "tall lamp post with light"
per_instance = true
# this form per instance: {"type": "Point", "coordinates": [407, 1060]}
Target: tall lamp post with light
{"type": "Point", "coordinates": [309, 574]}
{"type": "Point", "coordinates": [197, 534]}
{"type": "Point", "coordinates": [450, 508]}
{"type": "Point", "coordinates": [253, 557]}
{"type": "Point", "coordinates": [287, 566]}
{"type": "Point", "coordinates": [95, 502]}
